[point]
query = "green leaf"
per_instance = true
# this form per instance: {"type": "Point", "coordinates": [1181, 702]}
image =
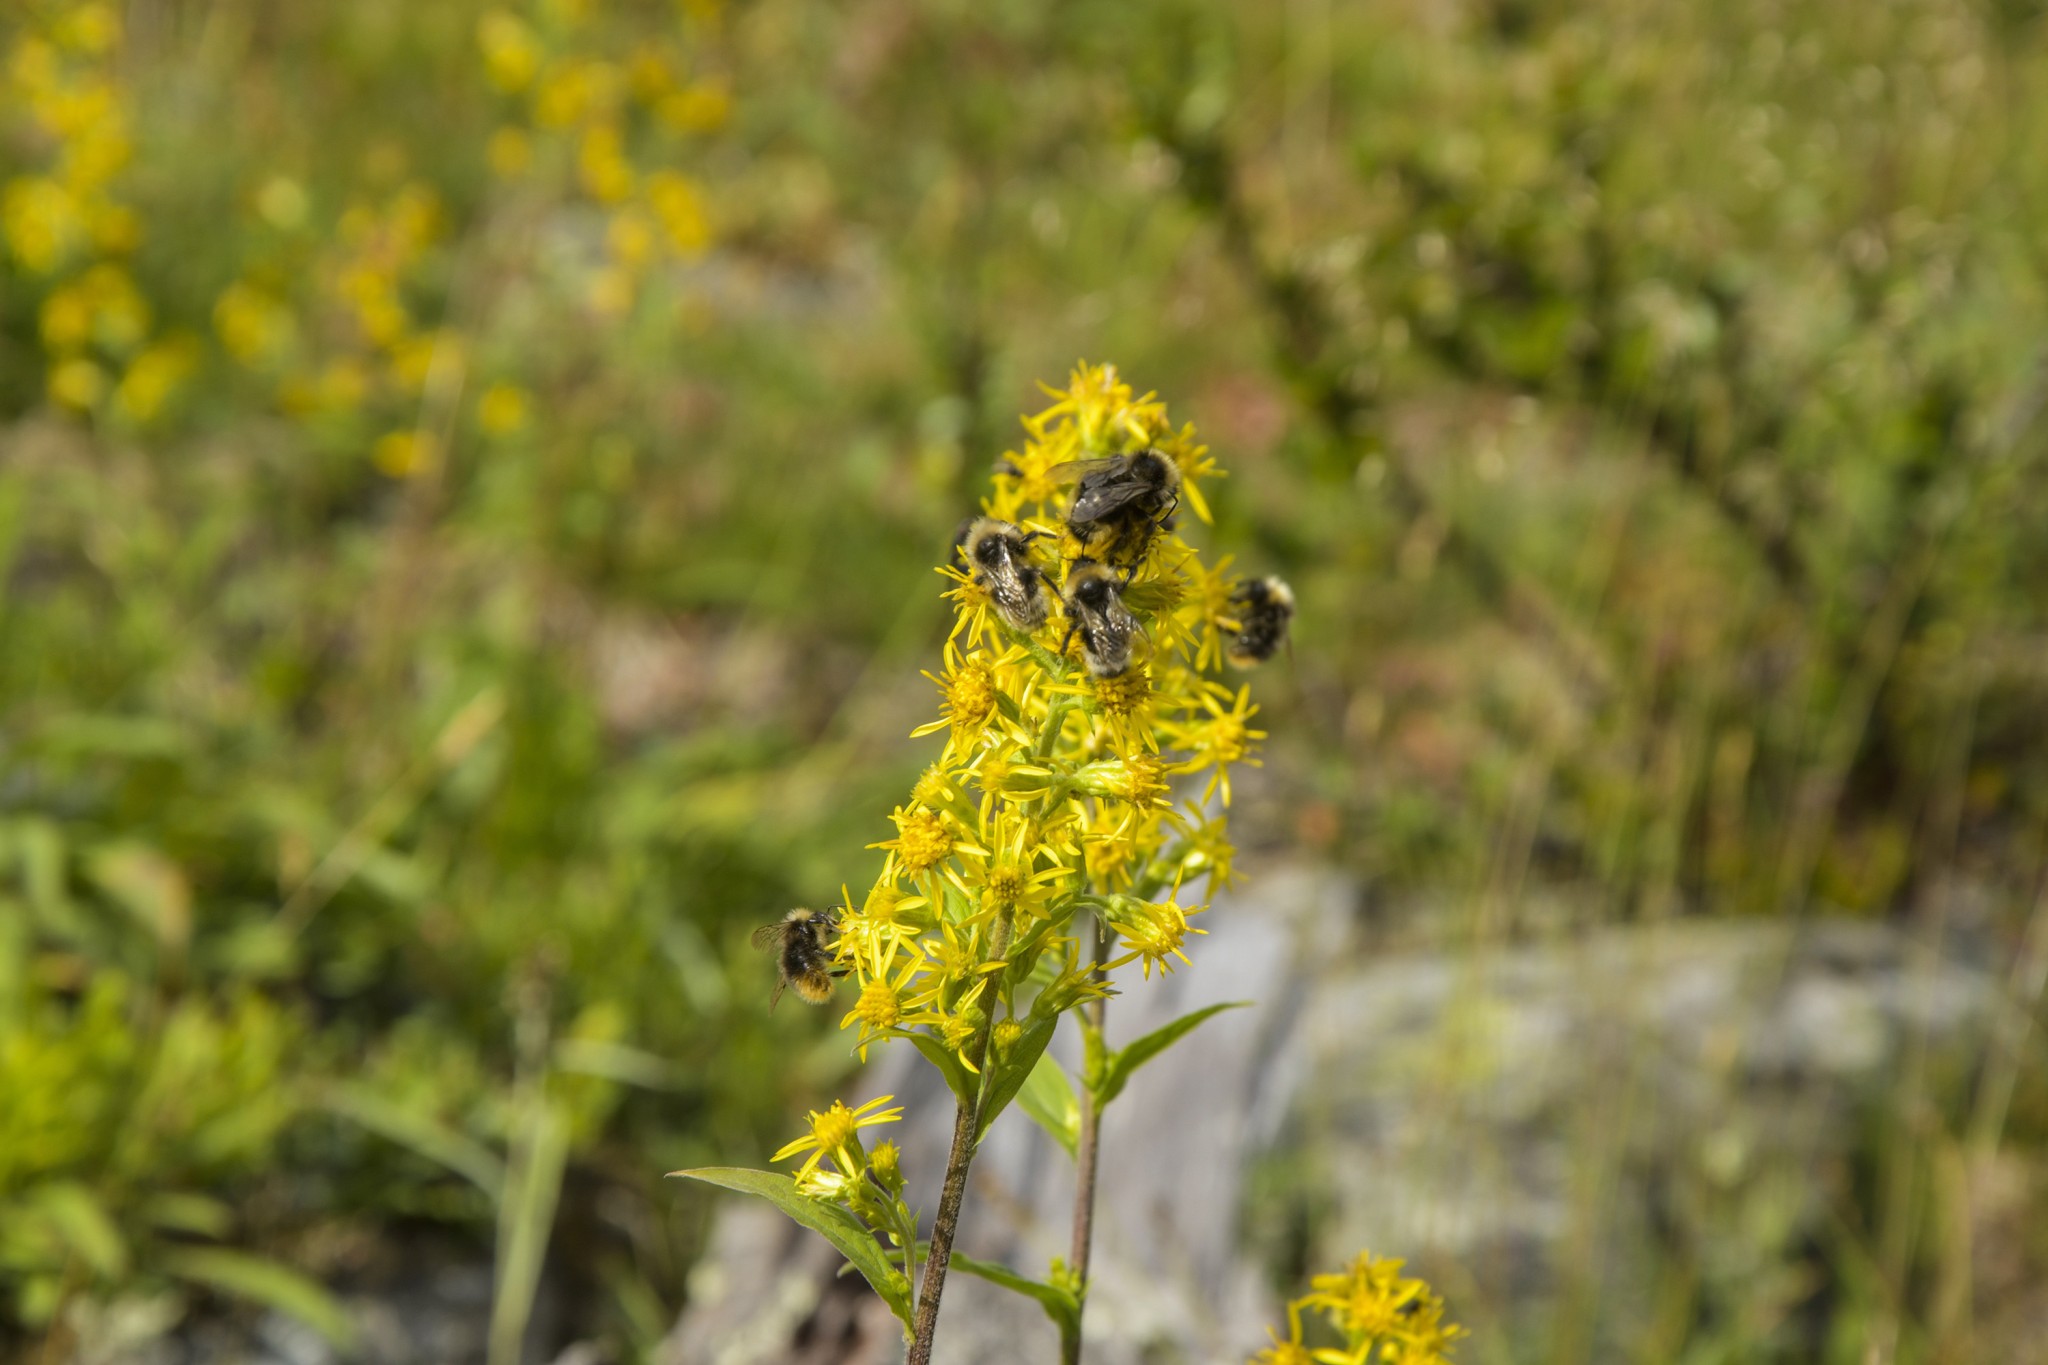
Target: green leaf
{"type": "Point", "coordinates": [263, 1281]}
{"type": "Point", "coordinates": [1048, 1097]}
{"type": "Point", "coordinates": [1059, 1304]}
{"type": "Point", "coordinates": [526, 1218]}
{"type": "Point", "coordinates": [1007, 1077]}
{"type": "Point", "coordinates": [80, 1223]}
{"type": "Point", "coordinates": [422, 1133]}
{"type": "Point", "coordinates": [958, 1078]}
{"type": "Point", "coordinates": [181, 1211]}
{"type": "Point", "coordinates": [835, 1224]}
{"type": "Point", "coordinates": [1126, 1060]}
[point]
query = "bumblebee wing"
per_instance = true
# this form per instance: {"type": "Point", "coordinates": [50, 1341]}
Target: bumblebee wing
{"type": "Point", "coordinates": [1081, 470]}
{"type": "Point", "coordinates": [768, 935]}
{"type": "Point", "coordinates": [1100, 497]}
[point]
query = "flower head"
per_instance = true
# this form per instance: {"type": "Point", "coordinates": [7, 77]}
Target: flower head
{"type": "Point", "coordinates": [836, 1133]}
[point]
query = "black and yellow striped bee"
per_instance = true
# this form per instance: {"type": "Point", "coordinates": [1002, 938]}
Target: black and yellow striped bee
{"type": "Point", "coordinates": [1095, 608]}
{"type": "Point", "coordinates": [1121, 502]}
{"type": "Point", "coordinates": [802, 959]}
{"type": "Point", "coordinates": [1262, 608]}
{"type": "Point", "coordinates": [998, 558]}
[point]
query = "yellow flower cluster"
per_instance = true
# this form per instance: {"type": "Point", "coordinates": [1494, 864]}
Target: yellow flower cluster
{"type": "Point", "coordinates": [607, 123]}
{"type": "Point", "coordinates": [1384, 1318]}
{"type": "Point", "coordinates": [363, 342]}
{"type": "Point", "coordinates": [360, 345]}
{"type": "Point", "coordinates": [65, 223]}
{"type": "Point", "coordinates": [1052, 794]}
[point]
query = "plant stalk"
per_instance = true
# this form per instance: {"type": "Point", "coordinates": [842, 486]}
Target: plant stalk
{"type": "Point", "coordinates": [1087, 1150]}
{"type": "Point", "coordinates": [966, 1123]}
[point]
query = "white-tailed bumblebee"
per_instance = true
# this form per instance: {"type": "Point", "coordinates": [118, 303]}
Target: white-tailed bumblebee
{"type": "Point", "coordinates": [1095, 608]}
{"type": "Point", "coordinates": [1122, 501]}
{"type": "Point", "coordinates": [802, 959]}
{"type": "Point", "coordinates": [998, 558]}
{"type": "Point", "coordinates": [1262, 608]}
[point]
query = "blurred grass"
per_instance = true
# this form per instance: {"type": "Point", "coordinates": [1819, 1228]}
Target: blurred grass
{"type": "Point", "coordinates": [1646, 401]}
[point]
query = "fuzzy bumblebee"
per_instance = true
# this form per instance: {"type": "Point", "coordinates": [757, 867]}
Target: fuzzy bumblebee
{"type": "Point", "coordinates": [803, 959]}
{"type": "Point", "coordinates": [1121, 503]}
{"type": "Point", "coordinates": [998, 556]}
{"type": "Point", "coordinates": [1263, 607]}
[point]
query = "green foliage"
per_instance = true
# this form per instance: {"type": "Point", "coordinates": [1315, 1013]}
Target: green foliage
{"type": "Point", "coordinates": [1644, 403]}
{"type": "Point", "coordinates": [835, 1224]}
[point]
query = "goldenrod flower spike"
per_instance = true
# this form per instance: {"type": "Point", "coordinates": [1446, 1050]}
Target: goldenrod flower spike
{"type": "Point", "coordinates": [1050, 796]}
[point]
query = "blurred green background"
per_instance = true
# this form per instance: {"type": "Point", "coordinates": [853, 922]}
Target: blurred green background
{"type": "Point", "coordinates": [470, 477]}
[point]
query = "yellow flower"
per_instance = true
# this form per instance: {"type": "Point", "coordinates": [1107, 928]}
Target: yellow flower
{"type": "Point", "coordinates": [1222, 738]}
{"type": "Point", "coordinates": [697, 109]}
{"type": "Point", "coordinates": [836, 1133]}
{"type": "Point", "coordinates": [92, 29]}
{"type": "Point", "coordinates": [1153, 931]}
{"type": "Point", "coordinates": [602, 165]}
{"type": "Point", "coordinates": [502, 410]}
{"type": "Point", "coordinates": [512, 54]}
{"type": "Point", "coordinates": [1369, 1298]}
{"type": "Point", "coordinates": [404, 454]}
{"type": "Point", "coordinates": [254, 327]}
{"type": "Point", "coordinates": [41, 221]}
{"type": "Point", "coordinates": [630, 238]}
{"type": "Point", "coordinates": [974, 612]}
{"type": "Point", "coordinates": [152, 377]}
{"type": "Point", "coordinates": [922, 842]}
{"type": "Point", "coordinates": [680, 211]}
{"type": "Point", "coordinates": [77, 384]}
{"type": "Point", "coordinates": [972, 692]}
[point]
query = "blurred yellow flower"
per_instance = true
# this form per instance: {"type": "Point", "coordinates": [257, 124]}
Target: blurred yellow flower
{"type": "Point", "coordinates": [77, 384]}
{"type": "Point", "coordinates": [601, 163]}
{"type": "Point", "coordinates": [42, 222]}
{"type": "Point", "coordinates": [509, 152]}
{"type": "Point", "coordinates": [404, 454]}
{"type": "Point", "coordinates": [281, 202]}
{"type": "Point", "coordinates": [92, 29]}
{"type": "Point", "coordinates": [680, 211]}
{"type": "Point", "coordinates": [152, 377]}
{"type": "Point", "coordinates": [502, 410]}
{"type": "Point", "coordinates": [254, 326]}
{"type": "Point", "coordinates": [512, 55]}
{"type": "Point", "coordinates": [630, 238]}
{"type": "Point", "coordinates": [697, 108]}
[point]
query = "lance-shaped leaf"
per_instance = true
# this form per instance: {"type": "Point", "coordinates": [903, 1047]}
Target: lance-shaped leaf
{"type": "Point", "coordinates": [1128, 1059]}
{"type": "Point", "coordinates": [1061, 1305]}
{"type": "Point", "coordinates": [1048, 1097]}
{"type": "Point", "coordinates": [834, 1224]}
{"type": "Point", "coordinates": [1007, 1077]}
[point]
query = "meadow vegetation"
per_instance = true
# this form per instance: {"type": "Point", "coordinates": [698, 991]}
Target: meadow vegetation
{"type": "Point", "coordinates": [471, 474]}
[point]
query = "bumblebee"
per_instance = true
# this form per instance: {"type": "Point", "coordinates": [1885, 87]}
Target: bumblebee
{"type": "Point", "coordinates": [1094, 602]}
{"type": "Point", "coordinates": [1121, 502]}
{"type": "Point", "coordinates": [801, 958]}
{"type": "Point", "coordinates": [1262, 608]}
{"type": "Point", "coordinates": [998, 558]}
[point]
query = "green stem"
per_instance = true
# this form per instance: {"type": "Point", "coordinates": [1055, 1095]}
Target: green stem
{"type": "Point", "coordinates": [966, 1123]}
{"type": "Point", "coordinates": [1087, 1151]}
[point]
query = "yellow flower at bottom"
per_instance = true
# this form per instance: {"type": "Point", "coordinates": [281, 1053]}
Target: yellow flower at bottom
{"type": "Point", "coordinates": [836, 1133]}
